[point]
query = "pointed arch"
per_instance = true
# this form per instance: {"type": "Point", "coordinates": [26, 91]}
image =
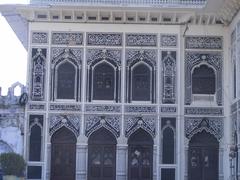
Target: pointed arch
{"type": "Point", "coordinates": [140, 156]}
{"type": "Point", "coordinates": [104, 81]}
{"type": "Point", "coordinates": [203, 79]}
{"type": "Point", "coordinates": [66, 80]}
{"type": "Point", "coordinates": [102, 155]}
{"type": "Point", "coordinates": [63, 155]}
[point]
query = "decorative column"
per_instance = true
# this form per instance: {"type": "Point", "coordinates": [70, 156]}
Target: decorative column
{"type": "Point", "coordinates": [121, 161]}
{"type": "Point", "coordinates": [221, 154]}
{"type": "Point", "coordinates": [81, 165]}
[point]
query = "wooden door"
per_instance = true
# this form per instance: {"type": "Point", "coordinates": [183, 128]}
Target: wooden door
{"type": "Point", "coordinates": [63, 155]}
{"type": "Point", "coordinates": [102, 156]}
{"type": "Point", "coordinates": [140, 156]}
{"type": "Point", "coordinates": [203, 158]}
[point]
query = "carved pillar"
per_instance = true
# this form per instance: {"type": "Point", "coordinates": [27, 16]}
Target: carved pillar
{"type": "Point", "coordinates": [186, 163]}
{"type": "Point", "coordinates": [48, 171]}
{"type": "Point", "coordinates": [121, 161]}
{"type": "Point", "coordinates": [81, 159]}
{"type": "Point", "coordinates": [221, 153]}
{"type": "Point", "coordinates": [238, 161]}
{"type": "Point", "coordinates": [155, 162]}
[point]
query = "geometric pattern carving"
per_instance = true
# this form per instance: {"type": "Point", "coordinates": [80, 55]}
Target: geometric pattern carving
{"type": "Point", "coordinates": [193, 59]}
{"type": "Point", "coordinates": [140, 109]}
{"type": "Point", "coordinates": [141, 40]}
{"type": "Point", "coordinates": [65, 107]}
{"type": "Point", "coordinates": [95, 122]}
{"type": "Point", "coordinates": [39, 38]}
{"type": "Point", "coordinates": [104, 54]}
{"type": "Point", "coordinates": [168, 109]}
{"type": "Point", "coordinates": [104, 39]}
{"type": "Point", "coordinates": [168, 40]}
{"type": "Point", "coordinates": [133, 123]}
{"type": "Point", "coordinates": [102, 108]}
{"type": "Point", "coordinates": [38, 73]}
{"type": "Point", "coordinates": [67, 38]}
{"type": "Point", "coordinates": [169, 77]}
{"type": "Point", "coordinates": [134, 55]}
{"type": "Point", "coordinates": [204, 42]}
{"type": "Point", "coordinates": [203, 111]}
{"type": "Point", "coordinates": [194, 125]}
{"type": "Point", "coordinates": [70, 121]}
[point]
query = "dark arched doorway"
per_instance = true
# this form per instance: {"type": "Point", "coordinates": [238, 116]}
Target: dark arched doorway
{"type": "Point", "coordinates": [102, 155]}
{"type": "Point", "coordinates": [203, 157]}
{"type": "Point", "coordinates": [140, 156]}
{"type": "Point", "coordinates": [63, 155]}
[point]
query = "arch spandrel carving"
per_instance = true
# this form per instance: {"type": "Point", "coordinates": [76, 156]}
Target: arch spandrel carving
{"type": "Point", "coordinates": [194, 125]}
{"type": "Point", "coordinates": [70, 121]}
{"type": "Point", "coordinates": [95, 122]}
{"type": "Point", "coordinates": [133, 123]}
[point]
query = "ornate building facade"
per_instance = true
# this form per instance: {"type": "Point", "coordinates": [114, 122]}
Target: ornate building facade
{"type": "Point", "coordinates": [137, 90]}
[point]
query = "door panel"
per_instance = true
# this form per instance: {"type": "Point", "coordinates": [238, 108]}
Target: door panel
{"type": "Point", "coordinates": [63, 156]}
{"type": "Point", "coordinates": [203, 157]}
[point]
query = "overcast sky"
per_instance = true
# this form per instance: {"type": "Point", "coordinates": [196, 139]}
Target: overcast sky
{"type": "Point", "coordinates": [13, 59]}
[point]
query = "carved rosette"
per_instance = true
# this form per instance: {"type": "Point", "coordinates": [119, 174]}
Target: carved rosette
{"type": "Point", "coordinates": [141, 40]}
{"type": "Point", "coordinates": [194, 125]}
{"type": "Point", "coordinates": [95, 122]}
{"type": "Point", "coordinates": [193, 59]}
{"type": "Point", "coordinates": [168, 40]}
{"type": "Point", "coordinates": [133, 123]}
{"type": "Point", "coordinates": [39, 37]}
{"type": "Point", "coordinates": [148, 55]}
{"type": "Point", "coordinates": [70, 121]}
{"type": "Point", "coordinates": [104, 54]}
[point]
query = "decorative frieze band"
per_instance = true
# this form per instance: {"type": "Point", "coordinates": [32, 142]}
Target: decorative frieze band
{"type": "Point", "coordinates": [70, 121]}
{"type": "Point", "coordinates": [140, 109]}
{"type": "Point", "coordinates": [95, 122]}
{"type": "Point", "coordinates": [36, 107]}
{"type": "Point", "coordinates": [141, 40]}
{"type": "Point", "coordinates": [103, 108]}
{"type": "Point", "coordinates": [64, 38]}
{"type": "Point", "coordinates": [168, 40]}
{"type": "Point", "coordinates": [39, 37]}
{"type": "Point", "coordinates": [65, 107]}
{"type": "Point", "coordinates": [168, 109]}
{"type": "Point", "coordinates": [194, 125]}
{"type": "Point", "coordinates": [104, 39]}
{"type": "Point", "coordinates": [133, 123]}
{"type": "Point", "coordinates": [203, 111]}
{"type": "Point", "coordinates": [204, 42]}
